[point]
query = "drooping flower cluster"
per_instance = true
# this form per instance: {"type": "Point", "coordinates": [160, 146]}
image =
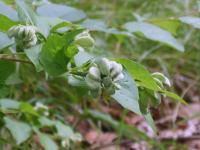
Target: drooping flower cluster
{"type": "Point", "coordinates": [25, 36]}
{"type": "Point", "coordinates": [42, 109]}
{"type": "Point", "coordinates": [161, 79]}
{"type": "Point", "coordinates": [74, 137]}
{"type": "Point", "coordinates": [104, 76]}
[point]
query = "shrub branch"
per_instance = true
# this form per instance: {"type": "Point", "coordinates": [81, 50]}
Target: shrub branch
{"type": "Point", "coordinates": [13, 57]}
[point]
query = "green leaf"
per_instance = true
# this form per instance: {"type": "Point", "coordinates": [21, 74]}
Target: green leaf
{"type": "Point", "coordinates": [8, 11]}
{"type": "Point", "coordinates": [13, 79]}
{"type": "Point", "coordinates": [9, 103]}
{"type": "Point", "coordinates": [144, 105]}
{"type": "Point", "coordinates": [70, 35]}
{"type": "Point", "coordinates": [46, 23]}
{"type": "Point", "coordinates": [95, 25]}
{"type": "Point", "coordinates": [52, 55]}
{"type": "Point", "coordinates": [5, 41]}
{"type": "Point", "coordinates": [62, 25]}
{"type": "Point", "coordinates": [173, 96]}
{"type": "Point", "coordinates": [33, 54]}
{"type": "Point", "coordinates": [144, 78]}
{"type": "Point", "coordinates": [2, 143]}
{"type": "Point", "coordinates": [150, 121]}
{"type": "Point", "coordinates": [127, 95]}
{"type": "Point", "coordinates": [143, 101]}
{"type": "Point", "coordinates": [44, 121]}
{"type": "Point", "coordinates": [28, 109]}
{"type": "Point", "coordinates": [6, 68]}
{"type": "Point", "coordinates": [71, 51]}
{"type": "Point", "coordinates": [152, 98]}
{"type": "Point", "coordinates": [99, 25]}
{"type": "Point", "coordinates": [82, 57]}
{"type": "Point", "coordinates": [61, 11]}
{"type": "Point", "coordinates": [154, 33]}
{"type": "Point", "coordinates": [19, 130]}
{"type": "Point", "coordinates": [64, 131]}
{"type": "Point", "coordinates": [76, 81]}
{"type": "Point", "coordinates": [170, 25]}
{"type": "Point", "coordinates": [25, 12]}
{"type": "Point", "coordinates": [139, 73]}
{"type": "Point", "coordinates": [47, 142]}
{"type": "Point", "coordinates": [4, 91]}
{"type": "Point", "coordinates": [194, 21]}
{"type": "Point", "coordinates": [6, 23]}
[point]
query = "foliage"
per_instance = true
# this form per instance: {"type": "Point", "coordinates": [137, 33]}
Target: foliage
{"type": "Point", "coordinates": [62, 53]}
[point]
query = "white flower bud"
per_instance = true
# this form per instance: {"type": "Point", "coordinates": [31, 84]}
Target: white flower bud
{"type": "Point", "coordinates": [65, 143]}
{"type": "Point", "coordinates": [161, 77]}
{"type": "Point", "coordinates": [119, 77]}
{"type": "Point", "coordinates": [29, 33]}
{"type": "Point", "coordinates": [104, 77]}
{"type": "Point", "coordinates": [76, 137]}
{"type": "Point", "coordinates": [104, 66]}
{"type": "Point", "coordinates": [94, 73]}
{"type": "Point", "coordinates": [31, 42]}
{"type": "Point", "coordinates": [40, 106]}
{"type": "Point", "coordinates": [116, 69]}
{"type": "Point", "coordinates": [92, 84]}
{"type": "Point", "coordinates": [21, 33]}
{"type": "Point", "coordinates": [84, 40]}
{"type": "Point", "coordinates": [25, 36]}
{"type": "Point", "coordinates": [12, 31]}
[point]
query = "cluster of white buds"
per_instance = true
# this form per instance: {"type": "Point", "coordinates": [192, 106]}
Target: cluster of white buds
{"type": "Point", "coordinates": [25, 36]}
{"type": "Point", "coordinates": [84, 40]}
{"type": "Point", "coordinates": [104, 76]}
{"type": "Point", "coordinates": [76, 137]}
{"type": "Point", "coordinates": [161, 79]}
{"type": "Point", "coordinates": [41, 108]}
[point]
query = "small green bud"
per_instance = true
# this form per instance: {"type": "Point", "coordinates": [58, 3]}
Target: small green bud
{"type": "Point", "coordinates": [96, 93]}
{"type": "Point", "coordinates": [107, 81]}
{"type": "Point", "coordinates": [84, 40]}
{"type": "Point", "coordinates": [110, 90]}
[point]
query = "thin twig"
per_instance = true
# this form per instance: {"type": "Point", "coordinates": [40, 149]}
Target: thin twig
{"type": "Point", "coordinates": [148, 52]}
{"type": "Point", "coordinates": [111, 144]}
{"type": "Point", "coordinates": [194, 137]}
{"type": "Point", "coordinates": [175, 114]}
{"type": "Point", "coordinates": [13, 57]}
